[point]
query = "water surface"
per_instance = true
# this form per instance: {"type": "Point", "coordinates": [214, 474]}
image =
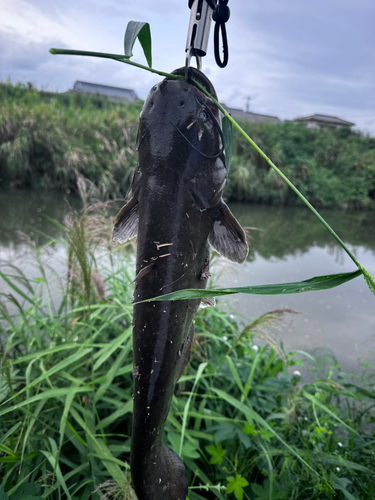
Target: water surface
{"type": "Point", "coordinates": [292, 245]}
{"type": "Point", "coordinates": [289, 244]}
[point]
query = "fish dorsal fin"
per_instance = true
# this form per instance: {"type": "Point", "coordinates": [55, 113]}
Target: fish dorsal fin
{"type": "Point", "coordinates": [227, 237]}
{"type": "Point", "coordinates": [207, 302]}
{"type": "Point", "coordinates": [126, 223]}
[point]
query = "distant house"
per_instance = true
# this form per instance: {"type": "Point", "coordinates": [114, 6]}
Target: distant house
{"type": "Point", "coordinates": [319, 121]}
{"type": "Point", "coordinates": [238, 114]}
{"type": "Point", "coordinates": [114, 93]}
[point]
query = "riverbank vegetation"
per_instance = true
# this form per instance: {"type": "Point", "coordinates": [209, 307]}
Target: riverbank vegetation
{"type": "Point", "coordinates": [47, 138]}
{"type": "Point", "coordinates": [244, 421]}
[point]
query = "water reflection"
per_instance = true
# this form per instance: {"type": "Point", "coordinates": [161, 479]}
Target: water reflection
{"type": "Point", "coordinates": [27, 212]}
{"type": "Point", "coordinates": [290, 231]}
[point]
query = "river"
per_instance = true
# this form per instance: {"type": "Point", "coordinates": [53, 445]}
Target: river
{"type": "Point", "coordinates": [288, 244]}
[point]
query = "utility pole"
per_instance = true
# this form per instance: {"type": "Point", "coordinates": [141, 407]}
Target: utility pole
{"type": "Point", "coordinates": [247, 99]}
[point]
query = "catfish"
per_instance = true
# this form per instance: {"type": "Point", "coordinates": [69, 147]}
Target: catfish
{"type": "Point", "coordinates": [177, 213]}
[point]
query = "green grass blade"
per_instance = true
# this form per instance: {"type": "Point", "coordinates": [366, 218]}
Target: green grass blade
{"type": "Point", "coordinates": [17, 290]}
{"type": "Point", "coordinates": [141, 31]}
{"type": "Point", "coordinates": [60, 366]}
{"type": "Point", "coordinates": [115, 57]}
{"type": "Point", "coordinates": [102, 450]}
{"type": "Point", "coordinates": [235, 374]}
{"type": "Point", "coordinates": [313, 284]}
{"type": "Point", "coordinates": [64, 417]}
{"type": "Point", "coordinates": [51, 350]}
{"type": "Point", "coordinates": [6, 449]}
{"type": "Point", "coordinates": [110, 348]}
{"type": "Point", "coordinates": [10, 432]}
{"type": "Point", "coordinates": [35, 414]}
{"type": "Point", "coordinates": [56, 468]}
{"type": "Point", "coordinates": [144, 38]}
{"type": "Point", "coordinates": [200, 371]}
{"type": "Point", "coordinates": [228, 141]}
{"type": "Point", "coordinates": [113, 372]}
{"type": "Point", "coordinates": [76, 439]}
{"type": "Point", "coordinates": [50, 393]}
{"type": "Point", "coordinates": [120, 412]}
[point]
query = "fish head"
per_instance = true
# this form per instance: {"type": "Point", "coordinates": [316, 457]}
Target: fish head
{"type": "Point", "coordinates": [180, 176]}
{"type": "Point", "coordinates": [180, 138]}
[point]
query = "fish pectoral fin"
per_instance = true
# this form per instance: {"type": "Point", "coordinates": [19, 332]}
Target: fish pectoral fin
{"type": "Point", "coordinates": [207, 302]}
{"type": "Point", "coordinates": [125, 226]}
{"type": "Point", "coordinates": [227, 236]}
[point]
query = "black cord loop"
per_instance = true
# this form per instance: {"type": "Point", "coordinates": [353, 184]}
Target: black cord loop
{"type": "Point", "coordinates": [221, 16]}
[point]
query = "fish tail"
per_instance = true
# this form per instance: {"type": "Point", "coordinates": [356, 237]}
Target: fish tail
{"type": "Point", "coordinates": [159, 476]}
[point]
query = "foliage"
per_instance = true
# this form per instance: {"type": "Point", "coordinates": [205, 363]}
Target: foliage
{"type": "Point", "coordinates": [142, 32]}
{"type": "Point", "coordinates": [45, 137]}
{"type": "Point", "coordinates": [246, 426]}
{"type": "Point", "coordinates": [331, 167]}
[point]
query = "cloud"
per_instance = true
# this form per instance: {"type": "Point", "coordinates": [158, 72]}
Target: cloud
{"type": "Point", "coordinates": [291, 57]}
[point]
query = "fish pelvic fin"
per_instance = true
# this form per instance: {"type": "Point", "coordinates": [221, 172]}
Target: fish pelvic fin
{"type": "Point", "coordinates": [227, 236]}
{"type": "Point", "coordinates": [125, 226]}
{"type": "Point", "coordinates": [160, 476]}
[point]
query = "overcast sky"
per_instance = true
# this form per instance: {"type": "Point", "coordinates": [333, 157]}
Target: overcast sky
{"type": "Point", "coordinates": [292, 57]}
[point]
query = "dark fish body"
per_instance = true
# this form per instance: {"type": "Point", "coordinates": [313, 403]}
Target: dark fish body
{"type": "Point", "coordinates": [176, 210]}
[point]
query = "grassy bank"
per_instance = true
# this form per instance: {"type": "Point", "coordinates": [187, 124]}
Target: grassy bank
{"type": "Point", "coordinates": [244, 421]}
{"type": "Point", "coordinates": [46, 138]}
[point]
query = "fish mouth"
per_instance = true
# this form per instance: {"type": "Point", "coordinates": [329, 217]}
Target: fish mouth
{"type": "Point", "coordinates": [199, 76]}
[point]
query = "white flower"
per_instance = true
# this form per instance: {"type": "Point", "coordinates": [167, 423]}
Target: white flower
{"type": "Point", "coordinates": [339, 444]}
{"type": "Point", "coordinates": [338, 469]}
{"type": "Point", "coordinates": [255, 348]}
{"type": "Point", "coordinates": [297, 373]}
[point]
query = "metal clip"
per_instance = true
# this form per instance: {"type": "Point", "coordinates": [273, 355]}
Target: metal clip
{"type": "Point", "coordinates": [199, 30]}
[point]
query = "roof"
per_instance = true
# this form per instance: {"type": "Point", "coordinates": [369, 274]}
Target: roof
{"type": "Point", "coordinates": [113, 92]}
{"type": "Point", "coordinates": [324, 119]}
{"type": "Point", "coordinates": [249, 116]}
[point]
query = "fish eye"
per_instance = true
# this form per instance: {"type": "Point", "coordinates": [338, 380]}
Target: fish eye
{"type": "Point", "coordinates": [203, 115]}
